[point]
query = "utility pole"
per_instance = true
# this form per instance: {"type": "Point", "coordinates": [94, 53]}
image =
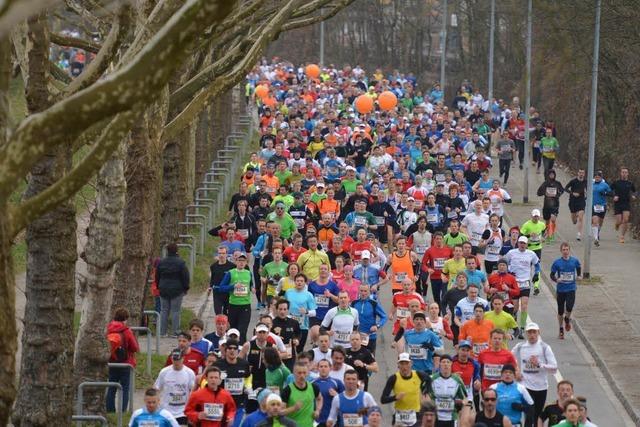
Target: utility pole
{"type": "Point", "coordinates": [492, 31]}
{"type": "Point", "coordinates": [321, 42]}
{"type": "Point", "coordinates": [586, 265]}
{"type": "Point", "coordinates": [443, 44]}
{"type": "Point", "coordinates": [527, 147]}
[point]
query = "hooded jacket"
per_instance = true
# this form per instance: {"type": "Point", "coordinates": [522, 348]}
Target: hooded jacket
{"type": "Point", "coordinates": [172, 276]}
{"type": "Point", "coordinates": [131, 344]}
{"type": "Point", "coordinates": [551, 190]}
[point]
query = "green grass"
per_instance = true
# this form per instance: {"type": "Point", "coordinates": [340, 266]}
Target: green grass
{"type": "Point", "coordinates": [19, 254]}
{"type": "Point", "coordinates": [112, 419]}
{"type": "Point", "coordinates": [157, 363]}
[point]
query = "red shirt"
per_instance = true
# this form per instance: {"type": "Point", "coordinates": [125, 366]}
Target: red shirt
{"type": "Point", "coordinates": [434, 258]}
{"type": "Point", "coordinates": [357, 247]}
{"type": "Point", "coordinates": [291, 255]}
{"type": "Point", "coordinates": [401, 300]}
{"type": "Point", "coordinates": [465, 370]}
{"type": "Point", "coordinates": [346, 243]}
{"type": "Point", "coordinates": [193, 360]}
{"type": "Point", "coordinates": [496, 280]}
{"type": "Point", "coordinates": [491, 363]}
{"type": "Point", "coordinates": [199, 398]}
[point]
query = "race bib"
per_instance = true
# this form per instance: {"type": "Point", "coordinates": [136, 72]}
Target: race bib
{"type": "Point", "coordinates": [452, 214]}
{"type": "Point", "coordinates": [493, 250]}
{"type": "Point", "coordinates": [298, 319]}
{"type": "Point", "coordinates": [598, 208]}
{"type": "Point", "coordinates": [525, 284]}
{"type": "Point", "coordinates": [402, 312]}
{"type": "Point", "coordinates": [505, 148]}
{"type": "Point", "coordinates": [240, 290]}
{"type": "Point", "coordinates": [408, 418]}
{"type": "Point", "coordinates": [244, 233]}
{"type": "Point", "coordinates": [379, 220]}
{"type": "Point", "coordinates": [439, 263]}
{"type": "Point", "coordinates": [214, 411]}
{"type": "Point", "coordinates": [352, 420]}
{"type": "Point", "coordinates": [177, 399]}
{"type": "Point", "coordinates": [322, 301]}
{"type": "Point", "coordinates": [477, 348]}
{"type": "Point", "coordinates": [530, 368]}
{"type": "Point", "coordinates": [534, 238]}
{"type": "Point", "coordinates": [364, 338]}
{"type": "Point", "coordinates": [421, 249]}
{"type": "Point", "coordinates": [360, 221]}
{"type": "Point", "coordinates": [551, 191]}
{"type": "Point", "coordinates": [567, 277]}
{"type": "Point", "coordinates": [439, 177]}
{"type": "Point", "coordinates": [234, 386]}
{"type": "Point", "coordinates": [289, 350]}
{"type": "Point", "coordinates": [492, 372]}
{"type": "Point", "coordinates": [299, 222]}
{"type": "Point", "coordinates": [399, 277]}
{"type": "Point", "coordinates": [417, 352]}
{"type": "Point", "coordinates": [275, 389]}
{"type": "Point", "coordinates": [444, 404]}
{"type": "Point", "coordinates": [475, 236]}
{"type": "Point", "coordinates": [432, 218]}
{"type": "Point", "coordinates": [148, 423]}
{"type": "Point", "coordinates": [342, 337]}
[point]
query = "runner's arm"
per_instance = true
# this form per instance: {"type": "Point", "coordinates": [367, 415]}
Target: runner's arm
{"type": "Point", "coordinates": [386, 396]}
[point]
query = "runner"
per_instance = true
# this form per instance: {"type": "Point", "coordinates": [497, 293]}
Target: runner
{"type": "Point", "coordinates": [152, 414]}
{"type": "Point", "coordinates": [302, 399]}
{"type": "Point", "coordinates": [551, 190]}
{"type": "Point", "coordinates": [432, 265]}
{"type": "Point", "coordinates": [400, 265]}
{"type": "Point", "coordinates": [521, 263]}
{"type": "Point", "coordinates": [489, 415]}
{"type": "Point", "coordinates": [422, 345]}
{"type": "Point", "coordinates": [505, 147]}
{"type": "Point", "coordinates": [175, 383]}
{"type": "Point", "coordinates": [239, 284]}
{"type": "Point", "coordinates": [577, 189]}
{"type": "Point", "coordinates": [211, 406]}
{"type": "Point", "coordinates": [371, 315]}
{"type": "Point", "coordinates": [564, 272]}
{"type": "Point", "coordinates": [477, 330]}
{"type": "Point", "coordinates": [600, 191]}
{"type": "Point", "coordinates": [623, 194]}
{"type": "Point", "coordinates": [341, 321]}
{"type": "Point", "coordinates": [534, 231]}
{"type": "Point", "coordinates": [494, 358]}
{"type": "Point", "coordinates": [492, 239]}
{"type": "Point", "coordinates": [235, 374]}
{"type": "Point", "coordinates": [554, 412]}
{"type": "Point", "coordinates": [446, 389]}
{"type": "Point", "coordinates": [329, 388]}
{"type": "Point", "coordinates": [514, 400]}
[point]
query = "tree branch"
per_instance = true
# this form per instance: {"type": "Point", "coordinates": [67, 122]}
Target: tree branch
{"type": "Point", "coordinates": [84, 12]}
{"type": "Point", "coordinates": [315, 19]}
{"type": "Point", "coordinates": [58, 74]}
{"type": "Point", "coordinates": [117, 35]}
{"type": "Point", "coordinates": [201, 100]}
{"type": "Point", "coordinates": [62, 190]}
{"type": "Point", "coordinates": [135, 84]}
{"type": "Point", "coordinates": [13, 12]}
{"type": "Point", "coordinates": [68, 41]}
{"type": "Point", "coordinates": [308, 8]}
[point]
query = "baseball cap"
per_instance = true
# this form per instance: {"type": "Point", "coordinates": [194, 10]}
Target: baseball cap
{"type": "Point", "coordinates": [320, 185]}
{"type": "Point", "coordinates": [404, 357]}
{"type": "Point", "coordinates": [531, 326]}
{"type": "Point", "coordinates": [298, 195]}
{"type": "Point", "coordinates": [176, 354]}
{"type": "Point", "coordinates": [274, 398]}
{"type": "Point", "coordinates": [599, 173]}
{"type": "Point", "coordinates": [262, 328]}
{"type": "Point", "coordinates": [411, 199]}
{"type": "Point", "coordinates": [365, 254]}
{"type": "Point", "coordinates": [374, 409]}
{"type": "Point", "coordinates": [242, 255]}
{"type": "Point", "coordinates": [535, 212]}
{"type": "Point", "coordinates": [233, 331]}
{"type": "Point", "coordinates": [446, 356]}
{"type": "Point", "coordinates": [221, 318]}
{"type": "Point", "coordinates": [350, 168]}
{"type": "Point", "coordinates": [465, 343]}
{"type": "Point", "coordinates": [419, 314]}
{"type": "Point", "coordinates": [523, 239]}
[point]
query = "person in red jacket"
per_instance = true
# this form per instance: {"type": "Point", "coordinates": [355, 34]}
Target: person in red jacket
{"type": "Point", "coordinates": [211, 406]}
{"type": "Point", "coordinates": [503, 283]}
{"type": "Point", "coordinates": [119, 330]}
{"type": "Point", "coordinates": [432, 263]}
{"type": "Point", "coordinates": [493, 359]}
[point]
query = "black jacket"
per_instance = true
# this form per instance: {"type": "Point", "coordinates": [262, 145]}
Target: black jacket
{"type": "Point", "coordinates": [173, 276]}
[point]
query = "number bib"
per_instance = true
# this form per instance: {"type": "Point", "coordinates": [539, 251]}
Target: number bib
{"type": "Point", "coordinates": [444, 404]}
{"type": "Point", "coordinates": [452, 214]}
{"type": "Point", "coordinates": [244, 233]}
{"type": "Point", "coordinates": [214, 411]}
{"type": "Point", "coordinates": [598, 208]}
{"type": "Point", "coordinates": [432, 218]}
{"type": "Point", "coordinates": [148, 423]}
{"type": "Point", "coordinates": [352, 420]}
{"type": "Point", "coordinates": [379, 220]}
{"type": "Point", "coordinates": [234, 386]}
{"type": "Point", "coordinates": [439, 263]}
{"type": "Point", "coordinates": [176, 399]}
{"type": "Point", "coordinates": [408, 418]}
{"type": "Point", "coordinates": [298, 319]}
{"type": "Point", "coordinates": [525, 285]}
{"type": "Point", "coordinates": [477, 348]}
{"type": "Point", "coordinates": [360, 221]}
{"type": "Point", "coordinates": [551, 191]}
{"type": "Point", "coordinates": [240, 290]}
{"type": "Point", "coordinates": [493, 250]}
{"type": "Point", "coordinates": [492, 372]}
{"type": "Point", "coordinates": [364, 338]}
{"type": "Point", "coordinates": [402, 312]}
{"type": "Point", "coordinates": [342, 337]}
{"type": "Point", "coordinates": [399, 277]}
{"type": "Point", "coordinates": [530, 368]}
{"type": "Point", "coordinates": [421, 249]}
{"type": "Point", "coordinates": [322, 301]}
{"type": "Point", "coordinates": [567, 277]}
{"type": "Point", "coordinates": [417, 352]}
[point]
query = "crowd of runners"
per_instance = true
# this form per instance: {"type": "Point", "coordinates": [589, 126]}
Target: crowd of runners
{"type": "Point", "coordinates": [347, 222]}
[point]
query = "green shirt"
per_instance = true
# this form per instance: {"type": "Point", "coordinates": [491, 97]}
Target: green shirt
{"type": "Point", "coordinates": [283, 175]}
{"type": "Point", "coordinates": [287, 199]}
{"type": "Point", "coordinates": [241, 281]}
{"type": "Point", "coordinates": [315, 197]}
{"type": "Point", "coordinates": [276, 378]}
{"type": "Point", "coordinates": [451, 241]}
{"type": "Point", "coordinates": [533, 231]}
{"type": "Point", "coordinates": [549, 146]}
{"type": "Point", "coordinates": [286, 223]}
{"type": "Point", "coordinates": [350, 185]}
{"type": "Point", "coordinates": [307, 397]}
{"type": "Point", "coordinates": [271, 269]}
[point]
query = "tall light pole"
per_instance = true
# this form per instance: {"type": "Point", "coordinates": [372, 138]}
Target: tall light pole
{"type": "Point", "coordinates": [525, 193]}
{"type": "Point", "coordinates": [592, 145]}
{"type": "Point", "coordinates": [443, 44]}
{"type": "Point", "coordinates": [492, 31]}
{"type": "Point", "coordinates": [321, 42]}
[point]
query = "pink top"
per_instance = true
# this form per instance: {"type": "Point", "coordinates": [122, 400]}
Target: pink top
{"type": "Point", "coordinates": [351, 288]}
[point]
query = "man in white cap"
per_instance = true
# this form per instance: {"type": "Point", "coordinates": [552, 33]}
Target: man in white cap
{"type": "Point", "coordinates": [534, 230]}
{"type": "Point", "coordinates": [522, 262]}
{"type": "Point", "coordinates": [535, 361]}
{"type": "Point", "coordinates": [274, 408]}
{"type": "Point", "coordinates": [367, 273]}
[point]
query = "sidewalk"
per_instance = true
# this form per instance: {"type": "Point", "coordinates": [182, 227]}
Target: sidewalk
{"type": "Point", "coordinates": [606, 315]}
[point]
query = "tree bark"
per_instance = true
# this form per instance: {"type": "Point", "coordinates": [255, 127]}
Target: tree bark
{"type": "Point", "coordinates": [45, 395]}
{"type": "Point", "coordinates": [102, 252]}
{"type": "Point", "coordinates": [143, 172]}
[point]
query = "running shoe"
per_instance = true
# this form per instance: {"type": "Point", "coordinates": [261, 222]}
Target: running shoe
{"type": "Point", "coordinates": [579, 237]}
{"type": "Point", "coordinates": [617, 226]}
{"type": "Point", "coordinates": [567, 323]}
{"type": "Point", "coordinates": [561, 334]}
{"type": "Point", "coordinates": [596, 242]}
{"type": "Point", "coordinates": [536, 290]}
{"type": "Point", "coordinates": [520, 167]}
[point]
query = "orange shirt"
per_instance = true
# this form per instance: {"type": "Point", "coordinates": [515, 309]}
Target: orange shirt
{"type": "Point", "coordinates": [329, 206]}
{"type": "Point", "coordinates": [272, 184]}
{"type": "Point", "coordinates": [402, 267]}
{"type": "Point", "coordinates": [477, 333]}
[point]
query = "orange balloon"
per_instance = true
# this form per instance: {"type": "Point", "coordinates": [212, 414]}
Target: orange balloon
{"type": "Point", "coordinates": [364, 104]}
{"type": "Point", "coordinates": [387, 100]}
{"type": "Point", "coordinates": [313, 71]}
{"type": "Point", "coordinates": [262, 91]}
{"type": "Point", "coordinates": [270, 102]}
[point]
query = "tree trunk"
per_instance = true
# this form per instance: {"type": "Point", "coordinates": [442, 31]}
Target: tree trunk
{"type": "Point", "coordinates": [203, 140]}
{"type": "Point", "coordinates": [102, 252]}
{"type": "Point", "coordinates": [45, 394]}
{"type": "Point", "coordinates": [143, 172]}
{"type": "Point", "coordinates": [8, 332]}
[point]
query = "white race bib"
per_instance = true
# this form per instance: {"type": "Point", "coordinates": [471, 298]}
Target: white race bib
{"type": "Point", "coordinates": [364, 338]}
{"type": "Point", "coordinates": [567, 277]}
{"type": "Point", "coordinates": [417, 352]}
{"type": "Point", "coordinates": [439, 263]}
{"type": "Point", "coordinates": [214, 411]}
{"type": "Point", "coordinates": [525, 284]}
{"type": "Point", "coordinates": [360, 221]}
{"type": "Point", "coordinates": [177, 399]}
{"type": "Point", "coordinates": [551, 191]}
{"type": "Point", "coordinates": [402, 312]}
{"type": "Point", "coordinates": [234, 386]}
{"type": "Point", "coordinates": [598, 208]}
{"type": "Point", "coordinates": [322, 301]}
{"type": "Point", "coordinates": [445, 404]}
{"type": "Point", "coordinates": [342, 337]}
{"type": "Point", "coordinates": [148, 423]}
{"type": "Point", "coordinates": [244, 233]}
{"type": "Point", "coordinates": [240, 290]}
{"type": "Point", "coordinates": [352, 420]}
{"type": "Point", "coordinates": [432, 218]}
{"type": "Point", "coordinates": [379, 220]}
{"type": "Point", "coordinates": [492, 372]}
{"type": "Point", "coordinates": [399, 277]}
{"type": "Point", "coordinates": [452, 214]}
{"type": "Point", "coordinates": [408, 418]}
{"type": "Point", "coordinates": [477, 348]}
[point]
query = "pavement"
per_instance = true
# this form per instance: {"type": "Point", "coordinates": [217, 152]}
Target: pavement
{"type": "Point", "coordinates": [600, 355]}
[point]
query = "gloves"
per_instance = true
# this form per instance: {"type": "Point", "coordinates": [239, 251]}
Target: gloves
{"type": "Point", "coordinates": [536, 277]}
{"type": "Point", "coordinates": [427, 345]}
{"type": "Point", "coordinates": [457, 405]}
{"type": "Point", "coordinates": [516, 406]}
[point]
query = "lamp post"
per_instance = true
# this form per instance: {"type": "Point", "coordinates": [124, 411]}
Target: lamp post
{"type": "Point", "coordinates": [525, 193]}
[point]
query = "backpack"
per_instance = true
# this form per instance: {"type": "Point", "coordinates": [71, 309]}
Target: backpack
{"type": "Point", "coordinates": [117, 343]}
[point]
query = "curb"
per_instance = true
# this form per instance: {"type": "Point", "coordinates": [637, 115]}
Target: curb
{"type": "Point", "coordinates": [600, 363]}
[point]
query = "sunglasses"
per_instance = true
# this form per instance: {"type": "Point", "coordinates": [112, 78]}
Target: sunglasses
{"type": "Point", "coordinates": [489, 399]}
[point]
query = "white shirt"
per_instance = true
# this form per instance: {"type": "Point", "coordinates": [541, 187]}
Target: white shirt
{"type": "Point", "coordinates": [521, 263]}
{"type": "Point", "coordinates": [342, 323]}
{"type": "Point", "coordinates": [475, 226]}
{"type": "Point", "coordinates": [368, 401]}
{"type": "Point", "coordinates": [339, 374]}
{"type": "Point", "coordinates": [535, 377]}
{"type": "Point", "coordinates": [175, 387]}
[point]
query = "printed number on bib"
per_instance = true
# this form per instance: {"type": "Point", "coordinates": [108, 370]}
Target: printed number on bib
{"type": "Point", "coordinates": [492, 372]}
{"type": "Point", "coordinates": [477, 348]}
{"type": "Point", "coordinates": [214, 411]}
{"type": "Point", "coordinates": [322, 301]}
{"type": "Point", "coordinates": [525, 284]}
{"type": "Point", "coordinates": [432, 218]}
{"type": "Point", "coordinates": [234, 385]}
{"type": "Point", "coordinates": [407, 418]}
{"type": "Point", "coordinates": [364, 338]}
{"type": "Point", "coordinates": [444, 404]}
{"type": "Point", "coordinates": [552, 191]}
{"type": "Point", "coordinates": [567, 276]}
{"type": "Point", "coordinates": [148, 423]}
{"type": "Point", "coordinates": [360, 221]}
{"type": "Point", "coordinates": [244, 233]}
{"type": "Point", "coordinates": [342, 337]}
{"type": "Point", "coordinates": [598, 208]}
{"type": "Point", "coordinates": [417, 352]}
{"type": "Point", "coordinates": [400, 276]}
{"type": "Point", "coordinates": [402, 312]}
{"type": "Point", "coordinates": [352, 420]}
{"type": "Point", "coordinates": [177, 399]}
{"type": "Point", "coordinates": [240, 290]}
{"type": "Point", "coordinates": [439, 263]}
{"type": "Point", "coordinates": [379, 220]}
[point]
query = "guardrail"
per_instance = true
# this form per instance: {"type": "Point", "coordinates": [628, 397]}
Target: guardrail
{"type": "Point", "coordinates": [89, 418]}
{"type": "Point", "coordinates": [148, 331]}
{"type": "Point", "coordinates": [100, 384]}
{"type": "Point", "coordinates": [132, 379]}
{"type": "Point", "coordinates": [158, 327]}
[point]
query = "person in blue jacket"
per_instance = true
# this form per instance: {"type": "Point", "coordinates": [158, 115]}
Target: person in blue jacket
{"type": "Point", "coordinates": [600, 191]}
{"type": "Point", "coordinates": [372, 317]}
{"type": "Point", "coordinates": [151, 414]}
{"type": "Point", "coordinates": [259, 415]}
{"type": "Point", "coordinates": [564, 271]}
{"type": "Point", "coordinates": [514, 400]}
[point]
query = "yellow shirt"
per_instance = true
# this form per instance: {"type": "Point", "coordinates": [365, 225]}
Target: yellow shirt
{"type": "Point", "coordinates": [452, 268]}
{"type": "Point", "coordinates": [503, 321]}
{"type": "Point", "coordinates": [310, 262]}
{"type": "Point", "coordinates": [412, 393]}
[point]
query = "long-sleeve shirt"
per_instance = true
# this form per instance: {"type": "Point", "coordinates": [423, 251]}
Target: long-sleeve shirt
{"type": "Point", "coordinates": [219, 406]}
{"type": "Point", "coordinates": [534, 376]}
{"type": "Point", "coordinates": [368, 311]}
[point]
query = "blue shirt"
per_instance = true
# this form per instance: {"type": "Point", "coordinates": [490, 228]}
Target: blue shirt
{"type": "Point", "coordinates": [161, 418]}
{"type": "Point", "coordinates": [368, 311]}
{"type": "Point", "coordinates": [300, 299]}
{"type": "Point", "coordinates": [475, 277]}
{"type": "Point", "coordinates": [509, 394]}
{"type": "Point", "coordinates": [565, 271]}
{"type": "Point", "coordinates": [373, 274]}
{"type": "Point", "coordinates": [254, 418]}
{"type": "Point", "coordinates": [326, 384]}
{"type": "Point", "coordinates": [422, 358]}
{"type": "Point", "coordinates": [323, 303]}
{"type": "Point", "coordinates": [600, 190]}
